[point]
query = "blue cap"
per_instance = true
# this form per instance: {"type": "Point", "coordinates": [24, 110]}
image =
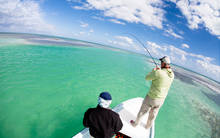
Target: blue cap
{"type": "Point", "coordinates": [105, 95]}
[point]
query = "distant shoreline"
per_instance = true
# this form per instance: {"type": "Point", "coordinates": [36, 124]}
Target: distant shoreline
{"type": "Point", "coordinates": [56, 40]}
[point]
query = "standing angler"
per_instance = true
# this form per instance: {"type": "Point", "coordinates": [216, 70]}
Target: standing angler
{"type": "Point", "coordinates": [161, 82]}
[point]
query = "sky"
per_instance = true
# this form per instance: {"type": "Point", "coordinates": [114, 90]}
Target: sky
{"type": "Point", "coordinates": [188, 31]}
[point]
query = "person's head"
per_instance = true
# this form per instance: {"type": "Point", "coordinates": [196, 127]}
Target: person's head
{"type": "Point", "coordinates": [104, 99]}
{"type": "Point", "coordinates": [165, 62]}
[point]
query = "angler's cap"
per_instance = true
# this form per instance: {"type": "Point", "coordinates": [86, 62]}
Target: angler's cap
{"type": "Point", "coordinates": [104, 100]}
{"type": "Point", "coordinates": [165, 59]}
{"type": "Point", "coordinates": [105, 96]}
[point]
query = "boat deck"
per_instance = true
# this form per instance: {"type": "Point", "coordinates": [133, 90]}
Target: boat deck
{"type": "Point", "coordinates": [128, 111]}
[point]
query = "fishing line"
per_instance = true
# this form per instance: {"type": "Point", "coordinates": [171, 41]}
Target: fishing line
{"type": "Point", "coordinates": [143, 47]}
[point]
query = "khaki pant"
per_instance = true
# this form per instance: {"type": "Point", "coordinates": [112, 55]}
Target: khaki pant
{"type": "Point", "coordinates": [149, 104]}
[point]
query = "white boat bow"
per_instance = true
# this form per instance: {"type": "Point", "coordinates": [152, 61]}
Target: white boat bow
{"type": "Point", "coordinates": [128, 110]}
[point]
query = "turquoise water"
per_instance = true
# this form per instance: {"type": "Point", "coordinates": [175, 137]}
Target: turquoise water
{"type": "Point", "coordinates": [45, 90]}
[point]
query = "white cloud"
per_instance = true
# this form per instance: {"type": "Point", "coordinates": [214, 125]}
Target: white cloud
{"type": "Point", "coordinates": [172, 33]}
{"type": "Point", "coordinates": [155, 48]}
{"type": "Point", "coordinates": [116, 21]}
{"type": "Point", "coordinates": [23, 16]}
{"type": "Point", "coordinates": [111, 20]}
{"type": "Point", "coordinates": [199, 63]}
{"type": "Point", "coordinates": [118, 43]}
{"type": "Point", "coordinates": [204, 58]}
{"type": "Point", "coordinates": [79, 8]}
{"type": "Point", "coordinates": [81, 33]}
{"type": "Point", "coordinates": [206, 67]}
{"type": "Point", "coordinates": [125, 42]}
{"type": "Point", "coordinates": [185, 46]}
{"type": "Point", "coordinates": [91, 31]}
{"type": "Point", "coordinates": [84, 33]}
{"type": "Point", "coordinates": [177, 50]}
{"type": "Point", "coordinates": [146, 12]}
{"type": "Point", "coordinates": [84, 7]}
{"type": "Point", "coordinates": [126, 39]}
{"type": "Point", "coordinates": [98, 18]}
{"type": "Point", "coordinates": [173, 1]}
{"type": "Point", "coordinates": [84, 25]}
{"type": "Point", "coordinates": [202, 12]}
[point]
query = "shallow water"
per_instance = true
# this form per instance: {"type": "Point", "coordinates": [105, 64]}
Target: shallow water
{"type": "Point", "coordinates": [45, 90]}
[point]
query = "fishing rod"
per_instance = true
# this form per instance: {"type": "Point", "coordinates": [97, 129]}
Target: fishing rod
{"type": "Point", "coordinates": [143, 47]}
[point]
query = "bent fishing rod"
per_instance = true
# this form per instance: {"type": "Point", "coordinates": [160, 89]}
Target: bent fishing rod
{"type": "Point", "coordinates": [143, 47]}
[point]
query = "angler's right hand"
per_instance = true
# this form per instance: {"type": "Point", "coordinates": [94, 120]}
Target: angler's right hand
{"type": "Point", "coordinates": [157, 68]}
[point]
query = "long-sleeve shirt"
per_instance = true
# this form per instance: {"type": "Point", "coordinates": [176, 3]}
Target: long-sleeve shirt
{"type": "Point", "coordinates": [102, 122]}
{"type": "Point", "coordinates": [161, 82]}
